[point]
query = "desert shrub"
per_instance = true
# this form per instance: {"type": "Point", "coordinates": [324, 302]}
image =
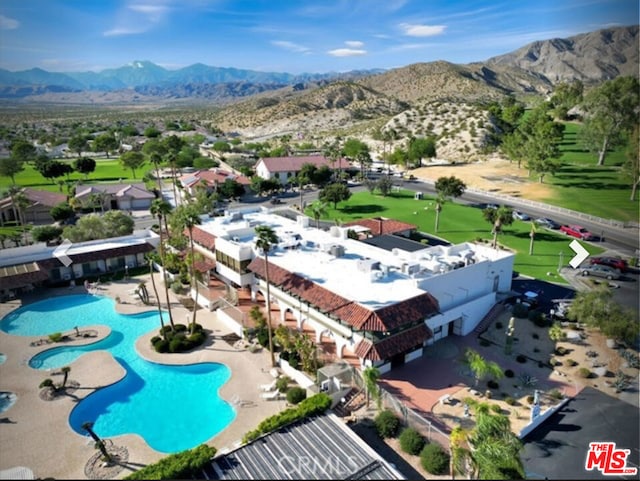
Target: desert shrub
{"type": "Point", "coordinates": [510, 401]}
{"type": "Point", "coordinates": [387, 424]}
{"type": "Point", "coordinates": [570, 363]}
{"type": "Point", "coordinates": [530, 399]}
{"type": "Point", "coordinates": [176, 287]}
{"type": "Point", "coordinates": [176, 344]}
{"type": "Point", "coordinates": [262, 335]}
{"type": "Point", "coordinates": [584, 372]}
{"type": "Point", "coordinates": [434, 459]}
{"type": "Point", "coordinates": [491, 384]}
{"type": "Point", "coordinates": [161, 346]}
{"type": "Point", "coordinates": [55, 337]}
{"type": "Point", "coordinates": [296, 394]}
{"type": "Point", "coordinates": [495, 408]}
{"type": "Point", "coordinates": [411, 441]}
{"type": "Point", "coordinates": [521, 359]}
{"type": "Point", "coordinates": [520, 311]}
{"type": "Point", "coordinates": [196, 338]}
{"type": "Point", "coordinates": [509, 373]}
{"type": "Point", "coordinates": [561, 351]}
{"type": "Point", "coordinates": [556, 394]}
{"type": "Point", "coordinates": [155, 339]}
{"type": "Point", "coordinates": [282, 384]}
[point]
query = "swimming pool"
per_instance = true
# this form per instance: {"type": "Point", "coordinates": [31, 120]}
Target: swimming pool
{"type": "Point", "coordinates": [172, 407]}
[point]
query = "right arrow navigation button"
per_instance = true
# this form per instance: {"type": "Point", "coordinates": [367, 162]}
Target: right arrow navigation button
{"type": "Point", "coordinates": [581, 254]}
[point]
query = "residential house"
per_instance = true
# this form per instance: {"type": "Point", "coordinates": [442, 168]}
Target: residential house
{"type": "Point", "coordinates": [383, 306]}
{"type": "Point", "coordinates": [283, 169]}
{"type": "Point", "coordinates": [115, 196]}
{"type": "Point", "coordinates": [210, 179]}
{"type": "Point", "coordinates": [37, 212]}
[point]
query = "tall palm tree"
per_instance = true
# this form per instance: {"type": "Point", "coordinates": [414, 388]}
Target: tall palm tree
{"type": "Point", "coordinates": [532, 237]}
{"type": "Point", "coordinates": [266, 239]}
{"type": "Point", "coordinates": [155, 291]}
{"type": "Point", "coordinates": [333, 152]}
{"type": "Point", "coordinates": [371, 375]}
{"type": "Point", "coordinates": [65, 370]}
{"type": "Point", "coordinates": [447, 187]}
{"type": "Point", "coordinates": [318, 209]}
{"type": "Point", "coordinates": [88, 427]}
{"type": "Point", "coordinates": [161, 209]}
{"type": "Point", "coordinates": [21, 202]}
{"type": "Point", "coordinates": [498, 218]}
{"type": "Point", "coordinates": [189, 219]}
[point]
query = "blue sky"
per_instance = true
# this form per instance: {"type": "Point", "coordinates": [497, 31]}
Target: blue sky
{"type": "Point", "coordinates": [286, 35]}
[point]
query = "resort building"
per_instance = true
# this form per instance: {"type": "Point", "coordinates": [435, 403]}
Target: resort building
{"type": "Point", "coordinates": [381, 305]}
{"type": "Point", "coordinates": [38, 264]}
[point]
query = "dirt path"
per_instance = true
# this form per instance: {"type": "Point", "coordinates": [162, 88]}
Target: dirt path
{"type": "Point", "coordinates": [495, 175]}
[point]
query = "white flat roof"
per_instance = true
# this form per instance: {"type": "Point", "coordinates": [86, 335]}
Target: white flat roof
{"type": "Point", "coordinates": [369, 275]}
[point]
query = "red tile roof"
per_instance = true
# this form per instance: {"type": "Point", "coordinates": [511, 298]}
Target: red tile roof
{"type": "Point", "coordinates": [384, 319]}
{"type": "Point", "coordinates": [205, 239]}
{"type": "Point", "coordinates": [382, 225]}
{"type": "Point", "coordinates": [43, 197]}
{"type": "Point", "coordinates": [294, 163]}
{"type": "Point", "coordinates": [204, 265]}
{"type": "Point", "coordinates": [211, 177]}
{"type": "Point", "coordinates": [392, 345]}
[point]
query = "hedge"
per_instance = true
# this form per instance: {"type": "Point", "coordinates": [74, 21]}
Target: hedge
{"type": "Point", "coordinates": [411, 441]}
{"type": "Point", "coordinates": [387, 424]}
{"type": "Point", "coordinates": [184, 465]}
{"type": "Point", "coordinates": [316, 404]}
{"type": "Point", "coordinates": [434, 459]}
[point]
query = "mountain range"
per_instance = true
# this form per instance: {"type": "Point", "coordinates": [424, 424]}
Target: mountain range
{"type": "Point", "coordinates": [590, 57]}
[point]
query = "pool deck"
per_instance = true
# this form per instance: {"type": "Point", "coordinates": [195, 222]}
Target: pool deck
{"type": "Point", "coordinates": [36, 434]}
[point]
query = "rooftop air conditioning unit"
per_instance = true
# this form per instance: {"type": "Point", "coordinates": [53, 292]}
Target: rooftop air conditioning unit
{"type": "Point", "coordinates": [337, 250]}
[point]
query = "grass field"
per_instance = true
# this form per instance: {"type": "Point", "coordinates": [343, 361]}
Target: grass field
{"type": "Point", "coordinates": [583, 186]}
{"type": "Point", "coordinates": [107, 170]}
{"type": "Point", "coordinates": [460, 223]}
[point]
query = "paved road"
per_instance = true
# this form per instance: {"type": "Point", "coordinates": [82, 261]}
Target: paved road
{"type": "Point", "coordinates": [558, 448]}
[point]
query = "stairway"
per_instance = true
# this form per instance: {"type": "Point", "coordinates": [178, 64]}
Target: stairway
{"type": "Point", "coordinates": [491, 316]}
{"type": "Point", "coordinates": [352, 402]}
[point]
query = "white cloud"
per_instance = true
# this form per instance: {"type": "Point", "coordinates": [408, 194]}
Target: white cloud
{"type": "Point", "coordinates": [7, 23]}
{"type": "Point", "coordinates": [422, 30]}
{"type": "Point", "coordinates": [116, 32]}
{"type": "Point", "coordinates": [346, 52]}
{"type": "Point", "coordinates": [293, 47]}
{"type": "Point", "coordinates": [154, 13]}
{"type": "Point", "coordinates": [354, 43]}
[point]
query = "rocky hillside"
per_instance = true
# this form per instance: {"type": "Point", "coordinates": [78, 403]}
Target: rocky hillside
{"type": "Point", "coordinates": [590, 57]}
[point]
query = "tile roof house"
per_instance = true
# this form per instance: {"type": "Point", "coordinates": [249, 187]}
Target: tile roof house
{"type": "Point", "coordinates": [40, 203]}
{"type": "Point", "coordinates": [284, 168]}
{"type": "Point", "coordinates": [116, 196]}
{"type": "Point", "coordinates": [210, 179]}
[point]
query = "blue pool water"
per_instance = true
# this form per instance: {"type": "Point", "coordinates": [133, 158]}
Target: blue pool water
{"type": "Point", "coordinates": [172, 407]}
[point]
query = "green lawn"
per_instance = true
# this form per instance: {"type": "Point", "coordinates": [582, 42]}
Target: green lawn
{"type": "Point", "coordinates": [583, 186]}
{"type": "Point", "coordinates": [107, 170]}
{"type": "Point", "coordinates": [460, 223]}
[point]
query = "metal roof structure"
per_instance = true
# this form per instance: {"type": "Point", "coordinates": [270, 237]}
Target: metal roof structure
{"type": "Point", "coordinates": [322, 447]}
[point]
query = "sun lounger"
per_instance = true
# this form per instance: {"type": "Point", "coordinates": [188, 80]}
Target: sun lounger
{"type": "Point", "coordinates": [269, 387]}
{"type": "Point", "coordinates": [270, 396]}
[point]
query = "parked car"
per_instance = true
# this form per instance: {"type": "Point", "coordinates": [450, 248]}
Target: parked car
{"type": "Point", "coordinates": [600, 271]}
{"type": "Point", "coordinates": [276, 200]}
{"type": "Point", "coordinates": [613, 262]}
{"type": "Point", "coordinates": [577, 231]}
{"type": "Point", "coordinates": [492, 206]}
{"type": "Point", "coordinates": [548, 223]}
{"type": "Point", "coordinates": [517, 215]}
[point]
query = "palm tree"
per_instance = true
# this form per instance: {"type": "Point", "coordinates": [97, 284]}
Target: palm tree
{"type": "Point", "coordinates": [189, 219]}
{"type": "Point", "coordinates": [161, 209]}
{"type": "Point", "coordinates": [498, 218]}
{"type": "Point", "coordinates": [318, 209]}
{"type": "Point", "coordinates": [447, 187]}
{"type": "Point", "coordinates": [371, 375]}
{"type": "Point", "coordinates": [65, 370]}
{"type": "Point", "coordinates": [266, 239]}
{"type": "Point", "coordinates": [88, 427]}
{"type": "Point", "coordinates": [532, 236]}
{"type": "Point", "coordinates": [155, 291]}
{"type": "Point", "coordinates": [21, 202]}
{"type": "Point", "coordinates": [480, 367]}
{"type": "Point", "coordinates": [333, 152]}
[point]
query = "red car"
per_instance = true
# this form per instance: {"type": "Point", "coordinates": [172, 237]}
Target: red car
{"type": "Point", "coordinates": [614, 262]}
{"type": "Point", "coordinates": [577, 231]}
